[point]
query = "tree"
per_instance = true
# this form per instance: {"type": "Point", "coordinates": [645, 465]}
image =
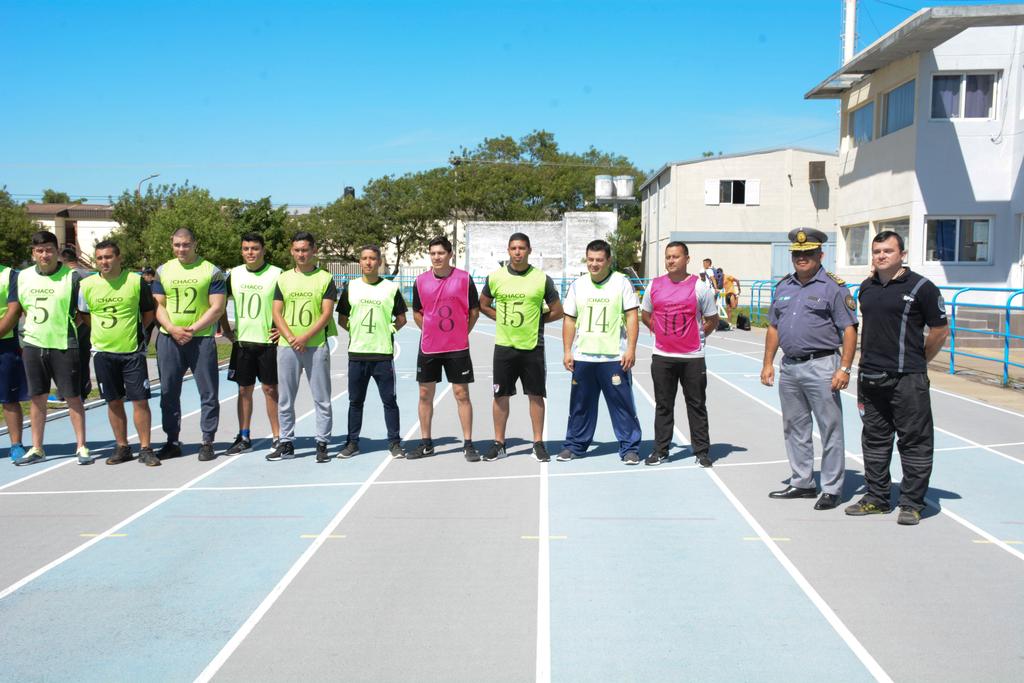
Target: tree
{"type": "Point", "coordinates": [207, 217]}
{"type": "Point", "coordinates": [16, 230]}
{"type": "Point", "coordinates": [51, 196]}
{"type": "Point", "coordinates": [260, 217]}
{"type": "Point", "coordinates": [134, 212]}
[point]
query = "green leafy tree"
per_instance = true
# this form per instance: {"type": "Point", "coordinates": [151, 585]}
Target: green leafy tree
{"type": "Point", "coordinates": [208, 218]}
{"type": "Point", "coordinates": [51, 196]}
{"type": "Point", "coordinates": [16, 230]}
{"type": "Point", "coordinates": [134, 212]}
{"type": "Point", "coordinates": [261, 217]}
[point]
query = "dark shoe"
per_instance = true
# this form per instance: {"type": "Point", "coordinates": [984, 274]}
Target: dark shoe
{"type": "Point", "coordinates": [348, 450]}
{"type": "Point", "coordinates": [866, 507]}
{"type": "Point", "coordinates": [540, 453]}
{"type": "Point", "coordinates": [171, 449]}
{"type": "Point", "coordinates": [424, 450]}
{"type": "Point", "coordinates": [471, 453]}
{"type": "Point", "coordinates": [284, 450]}
{"type": "Point", "coordinates": [791, 492]}
{"type": "Point", "coordinates": [631, 458]}
{"type": "Point", "coordinates": [565, 456]}
{"type": "Point", "coordinates": [241, 445]}
{"type": "Point", "coordinates": [31, 456]}
{"type": "Point", "coordinates": [497, 451]}
{"type": "Point", "coordinates": [148, 458]}
{"type": "Point", "coordinates": [656, 458]}
{"type": "Point", "coordinates": [121, 454]}
{"type": "Point", "coordinates": [703, 460]}
{"type": "Point", "coordinates": [827, 501]}
{"type": "Point", "coordinates": [321, 452]}
{"type": "Point", "coordinates": [908, 516]}
{"type": "Point", "coordinates": [395, 447]}
{"type": "Point", "coordinates": [206, 452]}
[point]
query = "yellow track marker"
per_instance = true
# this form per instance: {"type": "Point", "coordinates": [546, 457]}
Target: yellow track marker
{"type": "Point", "coordinates": [108, 536]}
{"type": "Point", "coordinates": [772, 538]}
{"type": "Point", "coordinates": [986, 541]}
{"type": "Point", "coordinates": [550, 538]}
{"type": "Point", "coordinates": [318, 536]}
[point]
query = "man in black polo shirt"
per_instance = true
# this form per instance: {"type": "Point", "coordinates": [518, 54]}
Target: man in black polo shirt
{"type": "Point", "coordinates": [892, 386]}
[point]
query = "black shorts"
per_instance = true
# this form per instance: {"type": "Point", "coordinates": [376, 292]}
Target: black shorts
{"type": "Point", "coordinates": [458, 367]}
{"type": "Point", "coordinates": [46, 366]}
{"type": "Point", "coordinates": [122, 376]}
{"type": "Point", "coordinates": [250, 361]}
{"type": "Point", "coordinates": [514, 364]}
{"type": "Point", "coordinates": [13, 384]}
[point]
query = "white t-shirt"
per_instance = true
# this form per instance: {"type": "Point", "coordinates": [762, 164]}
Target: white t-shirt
{"type": "Point", "coordinates": [707, 307]}
{"type": "Point", "coordinates": [582, 287]}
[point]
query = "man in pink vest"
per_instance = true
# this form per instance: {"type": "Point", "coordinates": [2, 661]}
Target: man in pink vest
{"type": "Point", "coordinates": [680, 310]}
{"type": "Point", "coordinates": [445, 306]}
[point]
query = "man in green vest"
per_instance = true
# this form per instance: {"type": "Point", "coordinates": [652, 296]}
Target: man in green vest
{"type": "Point", "coordinates": [514, 297]}
{"type": "Point", "coordinates": [13, 384]}
{"type": "Point", "coordinates": [303, 305]}
{"type": "Point", "coordinates": [190, 297]}
{"type": "Point", "coordinates": [251, 287]}
{"type": "Point", "coordinates": [371, 309]}
{"type": "Point", "coordinates": [117, 306]}
{"type": "Point", "coordinates": [48, 296]}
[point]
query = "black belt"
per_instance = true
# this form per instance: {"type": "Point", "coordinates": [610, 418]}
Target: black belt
{"type": "Point", "coordinates": [810, 356]}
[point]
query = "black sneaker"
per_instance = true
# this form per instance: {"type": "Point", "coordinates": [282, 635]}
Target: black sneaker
{"type": "Point", "coordinates": [497, 451]}
{"type": "Point", "coordinates": [395, 447]}
{"type": "Point", "coordinates": [349, 449]}
{"type": "Point", "coordinates": [241, 444]}
{"type": "Point", "coordinates": [284, 450]}
{"type": "Point", "coordinates": [656, 458]}
{"type": "Point", "coordinates": [703, 460]}
{"type": "Point", "coordinates": [540, 453]}
{"type": "Point", "coordinates": [424, 450]}
{"type": "Point", "coordinates": [171, 449]}
{"type": "Point", "coordinates": [121, 454]}
{"type": "Point", "coordinates": [148, 458]}
{"type": "Point", "coordinates": [206, 452]}
{"type": "Point", "coordinates": [565, 456]}
{"type": "Point", "coordinates": [865, 507]}
{"type": "Point", "coordinates": [631, 458]}
{"type": "Point", "coordinates": [908, 516]}
{"type": "Point", "coordinates": [321, 452]}
{"type": "Point", "coordinates": [471, 453]}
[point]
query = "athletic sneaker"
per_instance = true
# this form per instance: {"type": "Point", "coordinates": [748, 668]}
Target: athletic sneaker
{"type": "Point", "coordinates": [84, 458]}
{"type": "Point", "coordinates": [321, 452]}
{"type": "Point", "coordinates": [283, 451]}
{"type": "Point", "coordinates": [171, 449]}
{"type": "Point", "coordinates": [908, 516]}
{"type": "Point", "coordinates": [349, 449]}
{"type": "Point", "coordinates": [424, 450]}
{"type": "Point", "coordinates": [396, 449]}
{"type": "Point", "coordinates": [148, 458]}
{"type": "Point", "coordinates": [565, 456]}
{"type": "Point", "coordinates": [17, 451]}
{"type": "Point", "coordinates": [32, 455]}
{"type": "Point", "coordinates": [540, 453]}
{"type": "Point", "coordinates": [121, 454]}
{"type": "Point", "coordinates": [866, 507]}
{"type": "Point", "coordinates": [242, 444]}
{"type": "Point", "coordinates": [471, 453]}
{"type": "Point", "coordinates": [497, 451]}
{"type": "Point", "coordinates": [703, 460]}
{"type": "Point", "coordinates": [274, 443]}
{"type": "Point", "coordinates": [631, 458]}
{"type": "Point", "coordinates": [656, 458]}
{"type": "Point", "coordinates": [206, 452]}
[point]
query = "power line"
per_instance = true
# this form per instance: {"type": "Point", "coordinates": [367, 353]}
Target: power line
{"type": "Point", "coordinates": [890, 4]}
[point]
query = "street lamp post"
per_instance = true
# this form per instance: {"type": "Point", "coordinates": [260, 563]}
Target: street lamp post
{"type": "Point", "coordinates": [138, 188]}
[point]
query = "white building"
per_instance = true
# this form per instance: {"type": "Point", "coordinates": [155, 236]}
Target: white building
{"type": "Point", "coordinates": [737, 209]}
{"type": "Point", "coordinates": [79, 225]}
{"type": "Point", "coordinates": [931, 145]}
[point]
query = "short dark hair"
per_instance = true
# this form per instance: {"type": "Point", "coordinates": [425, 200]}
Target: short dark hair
{"type": "Point", "coordinates": [601, 245]}
{"type": "Point", "coordinates": [887, 234]}
{"type": "Point", "coordinates": [442, 241]}
{"type": "Point", "coordinates": [69, 253]}
{"type": "Point", "coordinates": [371, 247]}
{"type": "Point", "coordinates": [304, 236]}
{"type": "Point", "coordinates": [42, 237]}
{"type": "Point", "coordinates": [149, 270]}
{"type": "Point", "coordinates": [108, 244]}
{"type": "Point", "coordinates": [184, 231]}
{"type": "Point", "coordinates": [707, 260]}
{"type": "Point", "coordinates": [254, 237]}
{"type": "Point", "coordinates": [520, 237]}
{"type": "Point", "coordinates": [677, 243]}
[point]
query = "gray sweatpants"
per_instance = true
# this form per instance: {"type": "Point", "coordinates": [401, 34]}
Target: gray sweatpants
{"type": "Point", "coordinates": [315, 363]}
{"type": "Point", "coordinates": [172, 360]}
{"type": "Point", "coordinates": [805, 389]}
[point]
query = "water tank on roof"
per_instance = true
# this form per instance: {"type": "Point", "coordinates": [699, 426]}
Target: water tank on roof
{"type": "Point", "coordinates": [603, 187]}
{"type": "Point", "coordinates": [623, 185]}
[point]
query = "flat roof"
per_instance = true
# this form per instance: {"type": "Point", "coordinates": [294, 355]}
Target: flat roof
{"type": "Point", "coordinates": [756, 152]}
{"type": "Point", "coordinates": [922, 31]}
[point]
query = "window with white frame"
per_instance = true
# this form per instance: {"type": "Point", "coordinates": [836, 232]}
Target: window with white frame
{"type": "Point", "coordinates": [958, 240]}
{"type": "Point", "coordinates": [898, 108]}
{"type": "Point", "coordinates": [900, 226]}
{"type": "Point", "coordinates": [964, 95]}
{"type": "Point", "coordinates": [732, 192]}
{"type": "Point", "coordinates": [856, 238]}
{"type": "Point", "coordinates": [862, 124]}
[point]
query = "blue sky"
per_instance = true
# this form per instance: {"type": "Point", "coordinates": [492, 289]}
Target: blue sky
{"type": "Point", "coordinates": [297, 99]}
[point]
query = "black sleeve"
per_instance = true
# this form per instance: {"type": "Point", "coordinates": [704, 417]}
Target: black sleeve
{"type": "Point", "coordinates": [227, 284]}
{"type": "Point", "coordinates": [76, 286]}
{"type": "Point", "coordinates": [487, 289]}
{"type": "Point", "coordinates": [146, 301]}
{"type": "Point", "coordinates": [12, 288]}
{"type": "Point", "coordinates": [550, 292]}
{"type": "Point", "coordinates": [933, 307]}
{"type": "Point", "coordinates": [400, 305]}
{"type": "Point", "coordinates": [474, 298]}
{"type": "Point", "coordinates": [343, 306]}
{"type": "Point", "coordinates": [278, 296]}
{"type": "Point", "coordinates": [417, 306]}
{"type": "Point", "coordinates": [332, 291]}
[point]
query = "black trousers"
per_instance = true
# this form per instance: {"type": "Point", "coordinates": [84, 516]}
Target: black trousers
{"type": "Point", "coordinates": [896, 404]}
{"type": "Point", "coordinates": [668, 374]}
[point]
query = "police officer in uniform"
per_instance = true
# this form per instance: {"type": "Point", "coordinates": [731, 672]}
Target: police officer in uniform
{"type": "Point", "coordinates": [811, 316]}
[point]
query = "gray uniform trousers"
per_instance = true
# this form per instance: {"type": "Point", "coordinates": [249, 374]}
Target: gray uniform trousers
{"type": "Point", "coordinates": [172, 360]}
{"type": "Point", "coordinates": [315, 363]}
{"type": "Point", "coordinates": [806, 389]}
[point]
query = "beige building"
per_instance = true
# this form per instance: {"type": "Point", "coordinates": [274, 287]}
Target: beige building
{"type": "Point", "coordinates": [79, 225]}
{"type": "Point", "coordinates": [737, 209]}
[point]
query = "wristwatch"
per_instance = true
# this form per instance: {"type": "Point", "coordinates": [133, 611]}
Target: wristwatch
{"type": "Point", "coordinates": [847, 370]}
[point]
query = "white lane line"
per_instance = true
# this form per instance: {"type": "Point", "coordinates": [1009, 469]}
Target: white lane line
{"type": "Point", "coordinates": [980, 403]}
{"type": "Point", "coordinates": [831, 617]}
{"type": "Point", "coordinates": [990, 445]}
{"type": "Point", "coordinates": [543, 670]}
{"type": "Point", "coordinates": [278, 590]}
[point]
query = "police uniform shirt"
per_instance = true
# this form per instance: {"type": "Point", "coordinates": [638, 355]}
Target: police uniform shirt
{"type": "Point", "coordinates": [895, 315]}
{"type": "Point", "coordinates": [811, 316]}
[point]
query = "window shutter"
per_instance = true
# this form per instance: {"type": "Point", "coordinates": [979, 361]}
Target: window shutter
{"type": "Point", "coordinates": [711, 192]}
{"type": "Point", "coordinates": [753, 196]}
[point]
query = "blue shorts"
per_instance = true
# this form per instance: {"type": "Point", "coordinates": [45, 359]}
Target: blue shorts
{"type": "Point", "coordinates": [13, 384]}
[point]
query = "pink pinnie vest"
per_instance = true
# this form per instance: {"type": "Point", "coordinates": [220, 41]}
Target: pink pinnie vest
{"type": "Point", "coordinates": [676, 322]}
{"type": "Point", "coordinates": [445, 304]}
